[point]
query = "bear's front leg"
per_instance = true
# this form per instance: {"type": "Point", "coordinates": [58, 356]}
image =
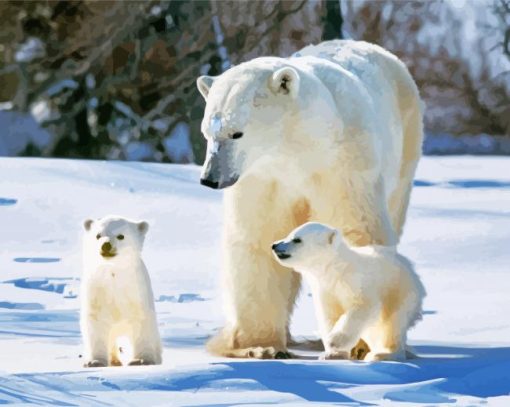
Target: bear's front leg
{"type": "Point", "coordinates": [96, 334]}
{"type": "Point", "coordinates": [346, 333]}
{"type": "Point", "coordinates": [257, 290]}
{"type": "Point", "coordinates": [146, 341]}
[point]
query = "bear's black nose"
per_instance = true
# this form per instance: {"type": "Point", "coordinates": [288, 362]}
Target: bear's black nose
{"type": "Point", "coordinates": [106, 247]}
{"type": "Point", "coordinates": [209, 183]}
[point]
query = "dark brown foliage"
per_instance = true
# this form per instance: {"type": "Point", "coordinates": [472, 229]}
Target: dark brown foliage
{"type": "Point", "coordinates": [114, 72]}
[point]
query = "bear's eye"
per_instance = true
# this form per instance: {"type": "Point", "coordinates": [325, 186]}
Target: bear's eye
{"type": "Point", "coordinates": [236, 135]}
{"type": "Point", "coordinates": [296, 240]}
{"type": "Point", "coordinates": [98, 236]}
{"type": "Point", "coordinates": [120, 237]}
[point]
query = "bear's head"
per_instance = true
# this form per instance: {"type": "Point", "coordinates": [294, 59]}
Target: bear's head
{"type": "Point", "coordinates": [251, 110]}
{"type": "Point", "coordinates": [308, 246]}
{"type": "Point", "coordinates": [114, 237]}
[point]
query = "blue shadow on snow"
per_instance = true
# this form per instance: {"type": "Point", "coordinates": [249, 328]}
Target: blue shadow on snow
{"type": "Point", "coordinates": [441, 374]}
{"type": "Point", "coordinates": [44, 284]}
{"type": "Point", "coordinates": [478, 183]}
{"type": "Point", "coordinates": [21, 305]}
{"type": "Point", "coordinates": [8, 201]}
{"type": "Point", "coordinates": [36, 259]}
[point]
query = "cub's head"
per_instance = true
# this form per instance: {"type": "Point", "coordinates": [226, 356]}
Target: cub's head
{"type": "Point", "coordinates": [247, 109]}
{"type": "Point", "coordinates": [308, 246]}
{"type": "Point", "coordinates": [114, 237]}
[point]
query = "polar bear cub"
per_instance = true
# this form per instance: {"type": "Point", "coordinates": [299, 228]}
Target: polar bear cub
{"type": "Point", "coordinates": [116, 294]}
{"type": "Point", "coordinates": [370, 292]}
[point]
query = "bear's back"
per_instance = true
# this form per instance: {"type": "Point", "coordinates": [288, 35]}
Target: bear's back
{"type": "Point", "coordinates": [349, 54]}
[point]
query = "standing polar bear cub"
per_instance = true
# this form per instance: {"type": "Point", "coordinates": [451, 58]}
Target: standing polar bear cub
{"type": "Point", "coordinates": [370, 292]}
{"type": "Point", "coordinates": [116, 294]}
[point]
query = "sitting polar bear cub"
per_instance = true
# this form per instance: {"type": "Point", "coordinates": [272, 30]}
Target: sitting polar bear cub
{"type": "Point", "coordinates": [116, 295]}
{"type": "Point", "coordinates": [371, 292]}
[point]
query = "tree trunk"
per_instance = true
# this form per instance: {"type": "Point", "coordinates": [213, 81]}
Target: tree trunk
{"type": "Point", "coordinates": [331, 20]}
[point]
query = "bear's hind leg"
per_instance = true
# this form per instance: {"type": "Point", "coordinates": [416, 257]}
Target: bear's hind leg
{"type": "Point", "coordinates": [387, 339]}
{"type": "Point", "coordinates": [411, 112]}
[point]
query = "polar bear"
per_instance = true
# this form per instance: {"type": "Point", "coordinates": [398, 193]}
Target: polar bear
{"type": "Point", "coordinates": [334, 134]}
{"type": "Point", "coordinates": [370, 292]}
{"type": "Point", "coordinates": [116, 294]}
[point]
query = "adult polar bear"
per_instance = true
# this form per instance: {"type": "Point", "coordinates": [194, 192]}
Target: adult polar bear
{"type": "Point", "coordinates": [332, 134]}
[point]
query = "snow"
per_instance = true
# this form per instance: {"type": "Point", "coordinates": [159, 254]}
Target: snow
{"type": "Point", "coordinates": [33, 48]}
{"type": "Point", "coordinates": [19, 130]}
{"type": "Point", "coordinates": [139, 150]}
{"type": "Point", "coordinates": [41, 111]}
{"type": "Point", "coordinates": [178, 144]}
{"type": "Point", "coordinates": [457, 233]}
{"type": "Point", "coordinates": [64, 85]}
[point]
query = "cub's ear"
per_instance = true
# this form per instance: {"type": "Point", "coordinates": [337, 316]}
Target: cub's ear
{"type": "Point", "coordinates": [204, 83]}
{"type": "Point", "coordinates": [333, 236]}
{"type": "Point", "coordinates": [87, 224]}
{"type": "Point", "coordinates": [143, 227]}
{"type": "Point", "coordinates": [286, 81]}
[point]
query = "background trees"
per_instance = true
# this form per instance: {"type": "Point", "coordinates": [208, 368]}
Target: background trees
{"type": "Point", "coordinates": [115, 79]}
{"type": "Point", "coordinates": [456, 55]}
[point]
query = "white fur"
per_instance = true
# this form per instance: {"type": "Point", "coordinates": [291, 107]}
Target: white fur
{"type": "Point", "coordinates": [332, 135]}
{"type": "Point", "coordinates": [116, 294]}
{"type": "Point", "coordinates": [371, 293]}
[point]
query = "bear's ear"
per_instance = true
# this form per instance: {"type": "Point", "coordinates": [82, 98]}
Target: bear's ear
{"type": "Point", "coordinates": [286, 81]}
{"type": "Point", "coordinates": [204, 83]}
{"type": "Point", "coordinates": [143, 227]}
{"type": "Point", "coordinates": [87, 224]}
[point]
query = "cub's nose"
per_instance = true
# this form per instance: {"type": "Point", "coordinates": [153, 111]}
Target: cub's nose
{"type": "Point", "coordinates": [106, 247]}
{"type": "Point", "coordinates": [280, 249]}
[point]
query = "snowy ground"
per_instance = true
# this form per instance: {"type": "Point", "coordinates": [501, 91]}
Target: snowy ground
{"type": "Point", "coordinates": [458, 234]}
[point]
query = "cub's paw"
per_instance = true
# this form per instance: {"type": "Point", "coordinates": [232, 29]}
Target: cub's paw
{"type": "Point", "coordinates": [95, 363]}
{"type": "Point", "coordinates": [335, 355]}
{"type": "Point", "coordinates": [360, 351]}
{"type": "Point", "coordinates": [141, 362]}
